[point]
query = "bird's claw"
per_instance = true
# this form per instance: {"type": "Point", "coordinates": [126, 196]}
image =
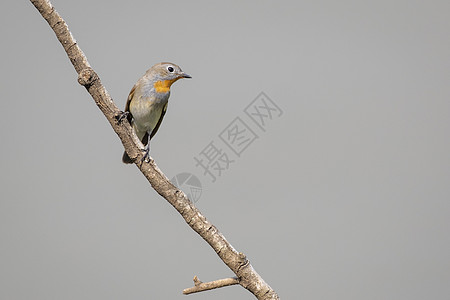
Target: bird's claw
{"type": "Point", "coordinates": [122, 116]}
{"type": "Point", "coordinates": [146, 157]}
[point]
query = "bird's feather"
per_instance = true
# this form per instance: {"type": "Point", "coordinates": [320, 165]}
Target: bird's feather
{"type": "Point", "coordinates": [127, 105]}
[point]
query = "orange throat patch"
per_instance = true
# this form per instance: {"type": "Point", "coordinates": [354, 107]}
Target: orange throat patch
{"type": "Point", "coordinates": [163, 86]}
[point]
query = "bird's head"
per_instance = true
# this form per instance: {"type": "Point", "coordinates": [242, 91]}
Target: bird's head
{"type": "Point", "coordinates": [164, 74]}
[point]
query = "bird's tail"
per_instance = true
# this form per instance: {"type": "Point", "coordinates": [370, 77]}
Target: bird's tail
{"type": "Point", "coordinates": [126, 159]}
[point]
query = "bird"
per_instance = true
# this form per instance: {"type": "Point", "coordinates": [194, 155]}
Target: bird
{"type": "Point", "coordinates": [147, 103]}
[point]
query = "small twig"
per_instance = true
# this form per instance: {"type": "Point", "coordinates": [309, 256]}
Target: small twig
{"type": "Point", "coordinates": [204, 286]}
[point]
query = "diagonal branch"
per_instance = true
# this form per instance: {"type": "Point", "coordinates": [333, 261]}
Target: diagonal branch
{"type": "Point", "coordinates": [236, 261]}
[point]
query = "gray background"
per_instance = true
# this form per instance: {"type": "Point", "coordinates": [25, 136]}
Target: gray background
{"type": "Point", "coordinates": [345, 196]}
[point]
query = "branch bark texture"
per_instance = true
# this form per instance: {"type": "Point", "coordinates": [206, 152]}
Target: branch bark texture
{"type": "Point", "coordinates": [236, 261]}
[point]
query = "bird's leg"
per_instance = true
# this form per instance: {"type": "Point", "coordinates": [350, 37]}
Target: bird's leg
{"type": "Point", "coordinates": [146, 156]}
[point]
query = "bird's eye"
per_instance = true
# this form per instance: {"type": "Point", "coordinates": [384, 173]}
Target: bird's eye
{"type": "Point", "coordinates": [170, 69]}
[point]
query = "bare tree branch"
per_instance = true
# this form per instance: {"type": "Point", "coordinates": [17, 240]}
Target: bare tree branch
{"type": "Point", "coordinates": [236, 261]}
{"type": "Point", "coordinates": [200, 286]}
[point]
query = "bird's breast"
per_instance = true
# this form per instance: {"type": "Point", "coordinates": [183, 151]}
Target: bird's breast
{"type": "Point", "coordinates": [146, 112]}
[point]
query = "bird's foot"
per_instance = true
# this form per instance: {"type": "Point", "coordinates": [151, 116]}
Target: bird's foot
{"type": "Point", "coordinates": [146, 157]}
{"type": "Point", "coordinates": [122, 116]}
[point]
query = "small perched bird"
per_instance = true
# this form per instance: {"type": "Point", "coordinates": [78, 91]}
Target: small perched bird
{"type": "Point", "coordinates": [147, 102]}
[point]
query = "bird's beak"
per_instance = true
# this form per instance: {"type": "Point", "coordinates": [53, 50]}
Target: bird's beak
{"type": "Point", "coordinates": [184, 75]}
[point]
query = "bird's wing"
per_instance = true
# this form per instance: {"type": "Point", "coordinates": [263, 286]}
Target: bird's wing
{"type": "Point", "coordinates": [163, 112]}
{"type": "Point", "coordinates": [127, 105]}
